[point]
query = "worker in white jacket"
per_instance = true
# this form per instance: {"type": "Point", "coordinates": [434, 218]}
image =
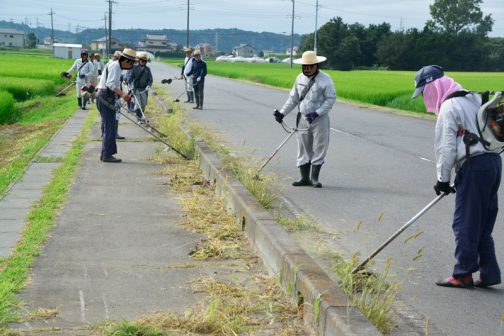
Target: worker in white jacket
{"type": "Point", "coordinates": [187, 74]}
{"type": "Point", "coordinates": [478, 175]}
{"type": "Point", "coordinates": [84, 70]}
{"type": "Point", "coordinates": [315, 94]}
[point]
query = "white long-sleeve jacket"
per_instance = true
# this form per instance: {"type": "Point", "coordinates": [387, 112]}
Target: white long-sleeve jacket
{"type": "Point", "coordinates": [320, 98]}
{"type": "Point", "coordinates": [86, 70]}
{"type": "Point", "coordinates": [455, 114]}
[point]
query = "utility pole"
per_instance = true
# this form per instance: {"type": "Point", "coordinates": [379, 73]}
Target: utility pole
{"type": "Point", "coordinates": [216, 41]}
{"type": "Point", "coordinates": [105, 21]}
{"type": "Point", "coordinates": [316, 28]}
{"type": "Point", "coordinates": [52, 29]}
{"type": "Point", "coordinates": [109, 42]}
{"type": "Point", "coordinates": [187, 32]}
{"type": "Point", "coordinates": [292, 35]}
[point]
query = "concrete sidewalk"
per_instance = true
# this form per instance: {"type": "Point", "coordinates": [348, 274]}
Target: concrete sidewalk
{"type": "Point", "coordinates": [118, 250]}
{"type": "Point", "coordinates": [18, 200]}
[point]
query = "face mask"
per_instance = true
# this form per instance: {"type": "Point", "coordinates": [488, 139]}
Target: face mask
{"type": "Point", "coordinates": [309, 70]}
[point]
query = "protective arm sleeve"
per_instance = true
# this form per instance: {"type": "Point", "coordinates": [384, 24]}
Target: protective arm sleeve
{"type": "Point", "coordinates": [329, 94]}
{"type": "Point", "coordinates": [446, 144]}
{"type": "Point", "coordinates": [73, 68]}
{"type": "Point", "coordinates": [291, 102]}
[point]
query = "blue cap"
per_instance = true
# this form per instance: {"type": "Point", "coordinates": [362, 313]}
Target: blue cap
{"type": "Point", "coordinates": [426, 75]}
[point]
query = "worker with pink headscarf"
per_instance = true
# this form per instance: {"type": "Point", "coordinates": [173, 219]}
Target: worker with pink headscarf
{"type": "Point", "coordinates": [478, 175]}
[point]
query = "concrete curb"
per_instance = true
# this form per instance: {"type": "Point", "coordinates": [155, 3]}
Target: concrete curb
{"type": "Point", "coordinates": [327, 309]}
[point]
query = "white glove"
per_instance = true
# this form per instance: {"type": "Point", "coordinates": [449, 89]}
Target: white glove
{"type": "Point", "coordinates": [197, 80]}
{"type": "Point", "coordinates": [147, 88]}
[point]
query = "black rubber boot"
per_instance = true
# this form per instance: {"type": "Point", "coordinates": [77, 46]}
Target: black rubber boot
{"type": "Point", "coordinates": [315, 175]}
{"type": "Point", "coordinates": [191, 100]}
{"type": "Point", "coordinates": [79, 101]}
{"type": "Point", "coordinates": [84, 102]}
{"type": "Point", "coordinates": [197, 101]}
{"type": "Point", "coordinates": [305, 176]}
{"type": "Point", "coordinates": [201, 103]}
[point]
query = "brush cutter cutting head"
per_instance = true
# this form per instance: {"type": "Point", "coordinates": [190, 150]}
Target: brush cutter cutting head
{"type": "Point", "coordinates": [166, 81]}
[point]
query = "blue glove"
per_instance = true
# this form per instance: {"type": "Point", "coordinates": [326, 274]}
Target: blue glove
{"type": "Point", "coordinates": [82, 76]}
{"type": "Point", "coordinates": [311, 116]}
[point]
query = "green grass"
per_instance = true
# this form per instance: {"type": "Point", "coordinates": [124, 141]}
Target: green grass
{"type": "Point", "coordinates": [374, 294]}
{"type": "Point", "coordinates": [33, 66]}
{"type": "Point", "coordinates": [20, 143]}
{"type": "Point", "coordinates": [15, 268]}
{"type": "Point", "coordinates": [385, 88]}
{"type": "Point", "coordinates": [26, 88]}
{"type": "Point", "coordinates": [8, 112]}
{"type": "Point", "coordinates": [34, 79]}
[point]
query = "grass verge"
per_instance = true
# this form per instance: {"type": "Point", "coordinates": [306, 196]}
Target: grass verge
{"type": "Point", "coordinates": [20, 143]}
{"type": "Point", "coordinates": [14, 269]}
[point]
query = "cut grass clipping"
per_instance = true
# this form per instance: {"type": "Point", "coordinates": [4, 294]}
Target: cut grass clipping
{"type": "Point", "coordinates": [231, 310]}
{"type": "Point", "coordinates": [373, 295]}
{"type": "Point", "coordinates": [14, 269]}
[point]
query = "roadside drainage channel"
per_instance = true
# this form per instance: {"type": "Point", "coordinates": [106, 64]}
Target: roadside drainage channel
{"type": "Point", "coordinates": [21, 195]}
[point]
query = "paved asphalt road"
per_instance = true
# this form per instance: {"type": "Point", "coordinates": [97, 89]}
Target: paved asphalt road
{"type": "Point", "coordinates": [377, 163]}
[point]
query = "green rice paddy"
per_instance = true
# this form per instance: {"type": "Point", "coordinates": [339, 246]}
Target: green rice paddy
{"type": "Point", "coordinates": [377, 87]}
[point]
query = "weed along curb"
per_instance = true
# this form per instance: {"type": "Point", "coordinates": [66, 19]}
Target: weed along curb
{"type": "Point", "coordinates": [326, 307]}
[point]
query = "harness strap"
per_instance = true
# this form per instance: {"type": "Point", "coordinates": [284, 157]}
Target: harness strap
{"type": "Point", "coordinates": [303, 95]}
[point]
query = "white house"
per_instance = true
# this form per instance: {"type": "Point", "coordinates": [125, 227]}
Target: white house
{"type": "Point", "coordinates": [244, 50]}
{"type": "Point", "coordinates": [11, 38]}
{"type": "Point", "coordinates": [67, 51]}
{"type": "Point", "coordinates": [295, 51]}
{"type": "Point", "coordinates": [101, 44]}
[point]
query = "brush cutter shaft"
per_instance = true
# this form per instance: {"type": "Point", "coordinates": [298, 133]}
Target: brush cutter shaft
{"type": "Point", "coordinates": [274, 153]}
{"type": "Point", "coordinates": [141, 126]}
{"type": "Point", "coordinates": [398, 232]}
{"type": "Point", "coordinates": [65, 88]}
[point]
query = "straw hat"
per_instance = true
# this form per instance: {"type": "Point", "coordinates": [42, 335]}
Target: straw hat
{"type": "Point", "coordinates": [188, 50]}
{"type": "Point", "coordinates": [309, 57]}
{"type": "Point", "coordinates": [143, 56]}
{"type": "Point", "coordinates": [129, 54]}
{"type": "Point", "coordinates": [197, 52]}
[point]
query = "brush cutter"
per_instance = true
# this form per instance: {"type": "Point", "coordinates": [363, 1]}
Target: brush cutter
{"type": "Point", "coordinates": [169, 80]}
{"type": "Point", "coordinates": [65, 89]}
{"type": "Point", "coordinates": [147, 122]}
{"type": "Point", "coordinates": [397, 233]}
{"type": "Point", "coordinates": [176, 100]}
{"type": "Point", "coordinates": [118, 109]}
{"type": "Point", "coordinates": [291, 131]}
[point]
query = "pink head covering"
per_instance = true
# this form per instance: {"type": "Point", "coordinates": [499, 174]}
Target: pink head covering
{"type": "Point", "coordinates": [435, 93]}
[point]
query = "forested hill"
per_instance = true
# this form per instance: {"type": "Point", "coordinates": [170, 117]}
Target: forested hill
{"type": "Point", "coordinates": [225, 39]}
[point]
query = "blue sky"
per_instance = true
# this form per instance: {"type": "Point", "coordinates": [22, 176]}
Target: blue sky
{"type": "Point", "coordinates": [255, 15]}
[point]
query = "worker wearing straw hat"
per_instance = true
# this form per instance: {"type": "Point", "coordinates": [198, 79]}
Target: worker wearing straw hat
{"type": "Point", "coordinates": [314, 92]}
{"type": "Point", "coordinates": [186, 69]}
{"type": "Point", "coordinates": [109, 90]}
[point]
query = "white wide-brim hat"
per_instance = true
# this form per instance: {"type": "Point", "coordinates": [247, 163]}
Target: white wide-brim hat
{"type": "Point", "coordinates": [129, 54]}
{"type": "Point", "coordinates": [309, 57]}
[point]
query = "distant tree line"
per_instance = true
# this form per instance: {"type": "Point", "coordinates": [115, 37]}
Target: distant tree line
{"type": "Point", "coordinates": [455, 38]}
